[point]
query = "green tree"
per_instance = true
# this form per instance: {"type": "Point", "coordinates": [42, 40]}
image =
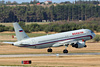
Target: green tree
{"type": "Point", "coordinates": [97, 38]}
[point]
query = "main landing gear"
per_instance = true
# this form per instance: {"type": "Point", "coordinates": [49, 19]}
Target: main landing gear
{"type": "Point", "coordinates": [64, 51]}
{"type": "Point", "coordinates": [49, 50]}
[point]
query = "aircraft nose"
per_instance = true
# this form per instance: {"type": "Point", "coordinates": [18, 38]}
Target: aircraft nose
{"type": "Point", "coordinates": [93, 35]}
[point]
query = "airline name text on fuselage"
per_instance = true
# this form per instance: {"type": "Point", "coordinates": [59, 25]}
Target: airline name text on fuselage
{"type": "Point", "coordinates": [76, 33]}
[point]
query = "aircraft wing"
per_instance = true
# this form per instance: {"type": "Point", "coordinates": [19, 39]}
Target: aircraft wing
{"type": "Point", "coordinates": [65, 43]}
{"type": "Point", "coordinates": [9, 42]}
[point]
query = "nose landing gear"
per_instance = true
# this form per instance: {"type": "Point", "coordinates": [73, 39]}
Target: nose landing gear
{"type": "Point", "coordinates": [65, 51]}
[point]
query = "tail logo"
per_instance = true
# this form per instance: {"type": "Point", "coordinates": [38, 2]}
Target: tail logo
{"type": "Point", "coordinates": [20, 30]}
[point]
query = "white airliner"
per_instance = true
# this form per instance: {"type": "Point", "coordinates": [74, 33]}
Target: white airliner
{"type": "Point", "coordinates": [76, 38]}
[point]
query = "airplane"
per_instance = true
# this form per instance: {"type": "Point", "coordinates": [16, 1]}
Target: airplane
{"type": "Point", "coordinates": [76, 39]}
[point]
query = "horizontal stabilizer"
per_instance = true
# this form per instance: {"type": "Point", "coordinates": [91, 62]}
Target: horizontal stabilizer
{"type": "Point", "coordinates": [9, 42]}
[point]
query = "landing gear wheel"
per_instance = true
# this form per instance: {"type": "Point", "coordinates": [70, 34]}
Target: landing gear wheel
{"type": "Point", "coordinates": [65, 51]}
{"type": "Point", "coordinates": [49, 50]}
{"type": "Point", "coordinates": [85, 46]}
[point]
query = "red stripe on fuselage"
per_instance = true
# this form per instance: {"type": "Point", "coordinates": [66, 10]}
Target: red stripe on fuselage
{"type": "Point", "coordinates": [57, 41]}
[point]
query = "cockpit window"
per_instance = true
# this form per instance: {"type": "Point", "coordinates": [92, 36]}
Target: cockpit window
{"type": "Point", "coordinates": [91, 31]}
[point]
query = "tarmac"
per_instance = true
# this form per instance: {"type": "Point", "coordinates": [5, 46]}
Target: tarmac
{"type": "Point", "coordinates": [35, 55]}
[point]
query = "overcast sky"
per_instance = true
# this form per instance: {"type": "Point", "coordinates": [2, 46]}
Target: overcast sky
{"type": "Point", "coordinates": [20, 1]}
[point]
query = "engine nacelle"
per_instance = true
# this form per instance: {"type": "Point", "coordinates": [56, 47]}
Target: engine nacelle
{"type": "Point", "coordinates": [79, 45]}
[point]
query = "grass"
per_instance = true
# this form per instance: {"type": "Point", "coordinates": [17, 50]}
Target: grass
{"type": "Point", "coordinates": [48, 61]}
{"type": "Point", "coordinates": [1, 34]}
{"type": "Point", "coordinates": [92, 47]}
{"type": "Point", "coordinates": [62, 61]}
{"type": "Point", "coordinates": [7, 36]}
{"type": "Point", "coordinates": [6, 24]}
{"type": "Point", "coordinates": [11, 24]}
{"type": "Point", "coordinates": [38, 22]}
{"type": "Point", "coordinates": [9, 49]}
{"type": "Point", "coordinates": [29, 34]}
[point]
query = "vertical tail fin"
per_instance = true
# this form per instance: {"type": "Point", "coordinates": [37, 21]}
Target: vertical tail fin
{"type": "Point", "coordinates": [20, 34]}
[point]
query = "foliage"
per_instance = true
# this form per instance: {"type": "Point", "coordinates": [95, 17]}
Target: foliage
{"type": "Point", "coordinates": [71, 12]}
{"type": "Point", "coordinates": [22, 24]}
{"type": "Point", "coordinates": [97, 38]}
{"type": "Point", "coordinates": [60, 26]}
{"type": "Point", "coordinates": [4, 28]}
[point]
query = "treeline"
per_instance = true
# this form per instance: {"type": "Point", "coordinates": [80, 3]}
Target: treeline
{"type": "Point", "coordinates": [62, 26]}
{"type": "Point", "coordinates": [38, 13]}
{"type": "Point", "coordinates": [5, 28]}
{"type": "Point", "coordinates": [56, 27]}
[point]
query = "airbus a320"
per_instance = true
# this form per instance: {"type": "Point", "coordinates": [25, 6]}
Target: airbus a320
{"type": "Point", "coordinates": [76, 39]}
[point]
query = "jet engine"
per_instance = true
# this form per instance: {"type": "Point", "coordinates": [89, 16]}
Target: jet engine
{"type": "Point", "coordinates": [79, 45]}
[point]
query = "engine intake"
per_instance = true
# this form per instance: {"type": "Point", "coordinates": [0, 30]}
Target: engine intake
{"type": "Point", "coordinates": [79, 45]}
